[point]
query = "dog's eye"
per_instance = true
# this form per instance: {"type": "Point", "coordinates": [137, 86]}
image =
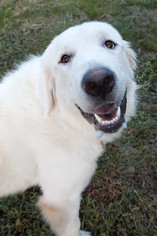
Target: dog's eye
{"type": "Point", "coordinates": [109, 44]}
{"type": "Point", "coordinates": [65, 59]}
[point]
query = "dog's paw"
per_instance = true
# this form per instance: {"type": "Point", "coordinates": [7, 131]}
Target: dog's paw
{"type": "Point", "coordinates": [85, 233]}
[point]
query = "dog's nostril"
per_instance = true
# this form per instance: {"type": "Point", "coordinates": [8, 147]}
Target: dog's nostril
{"type": "Point", "coordinates": [90, 85]}
{"type": "Point", "coordinates": [109, 80]}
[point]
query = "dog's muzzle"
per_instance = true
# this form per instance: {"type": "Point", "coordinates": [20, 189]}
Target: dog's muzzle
{"type": "Point", "coordinates": [108, 117]}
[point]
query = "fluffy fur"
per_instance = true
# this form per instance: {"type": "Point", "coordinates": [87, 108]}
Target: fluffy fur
{"type": "Point", "coordinates": [44, 139]}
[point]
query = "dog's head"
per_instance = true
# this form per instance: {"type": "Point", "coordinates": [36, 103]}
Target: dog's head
{"type": "Point", "coordinates": [88, 71]}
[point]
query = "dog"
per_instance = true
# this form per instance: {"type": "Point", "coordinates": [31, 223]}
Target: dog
{"type": "Point", "coordinates": [58, 110]}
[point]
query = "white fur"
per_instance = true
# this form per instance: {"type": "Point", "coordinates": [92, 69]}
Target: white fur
{"type": "Point", "coordinates": [44, 139]}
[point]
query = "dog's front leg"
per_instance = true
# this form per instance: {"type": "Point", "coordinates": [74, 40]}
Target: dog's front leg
{"type": "Point", "coordinates": [63, 219]}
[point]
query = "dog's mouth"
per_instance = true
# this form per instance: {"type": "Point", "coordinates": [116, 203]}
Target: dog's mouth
{"type": "Point", "coordinates": [108, 117]}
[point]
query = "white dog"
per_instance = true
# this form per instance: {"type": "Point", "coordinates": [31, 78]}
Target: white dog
{"type": "Point", "coordinates": [56, 112]}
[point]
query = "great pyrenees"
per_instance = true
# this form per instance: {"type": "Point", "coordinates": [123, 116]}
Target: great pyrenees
{"type": "Point", "coordinates": [58, 110]}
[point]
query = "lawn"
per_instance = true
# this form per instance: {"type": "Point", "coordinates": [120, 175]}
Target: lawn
{"type": "Point", "coordinates": [122, 197]}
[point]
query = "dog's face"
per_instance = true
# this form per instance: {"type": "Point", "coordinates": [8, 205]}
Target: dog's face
{"type": "Point", "coordinates": [89, 69]}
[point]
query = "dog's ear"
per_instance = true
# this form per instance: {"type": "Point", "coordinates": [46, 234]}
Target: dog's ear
{"type": "Point", "coordinates": [131, 55]}
{"type": "Point", "coordinates": [46, 87]}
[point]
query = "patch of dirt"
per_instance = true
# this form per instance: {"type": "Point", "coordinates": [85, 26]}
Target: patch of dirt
{"type": "Point", "coordinates": [2, 2]}
{"type": "Point", "coordinates": [144, 17]}
{"type": "Point", "coordinates": [152, 13]}
{"type": "Point", "coordinates": [105, 189]}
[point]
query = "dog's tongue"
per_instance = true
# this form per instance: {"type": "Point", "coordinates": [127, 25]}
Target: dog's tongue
{"type": "Point", "coordinates": [105, 109]}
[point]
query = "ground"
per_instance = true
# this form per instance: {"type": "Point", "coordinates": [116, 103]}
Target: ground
{"type": "Point", "coordinates": [122, 197]}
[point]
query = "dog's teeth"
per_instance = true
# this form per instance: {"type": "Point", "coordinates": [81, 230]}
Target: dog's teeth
{"type": "Point", "coordinates": [105, 122]}
{"type": "Point", "coordinates": [109, 122]}
{"type": "Point", "coordinates": [118, 112]}
{"type": "Point", "coordinates": [112, 121]}
{"type": "Point", "coordinates": [116, 118]}
{"type": "Point", "coordinates": [97, 117]}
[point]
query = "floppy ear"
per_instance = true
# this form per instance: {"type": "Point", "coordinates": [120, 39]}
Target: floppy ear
{"type": "Point", "coordinates": [46, 88]}
{"type": "Point", "coordinates": [130, 54]}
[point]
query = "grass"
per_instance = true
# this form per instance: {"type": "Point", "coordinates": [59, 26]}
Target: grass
{"type": "Point", "coordinates": [122, 197]}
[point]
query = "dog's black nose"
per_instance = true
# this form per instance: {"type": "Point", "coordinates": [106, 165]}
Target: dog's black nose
{"type": "Point", "coordinates": [98, 82]}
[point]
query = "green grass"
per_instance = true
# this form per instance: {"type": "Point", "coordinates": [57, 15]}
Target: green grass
{"type": "Point", "coordinates": [122, 197]}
